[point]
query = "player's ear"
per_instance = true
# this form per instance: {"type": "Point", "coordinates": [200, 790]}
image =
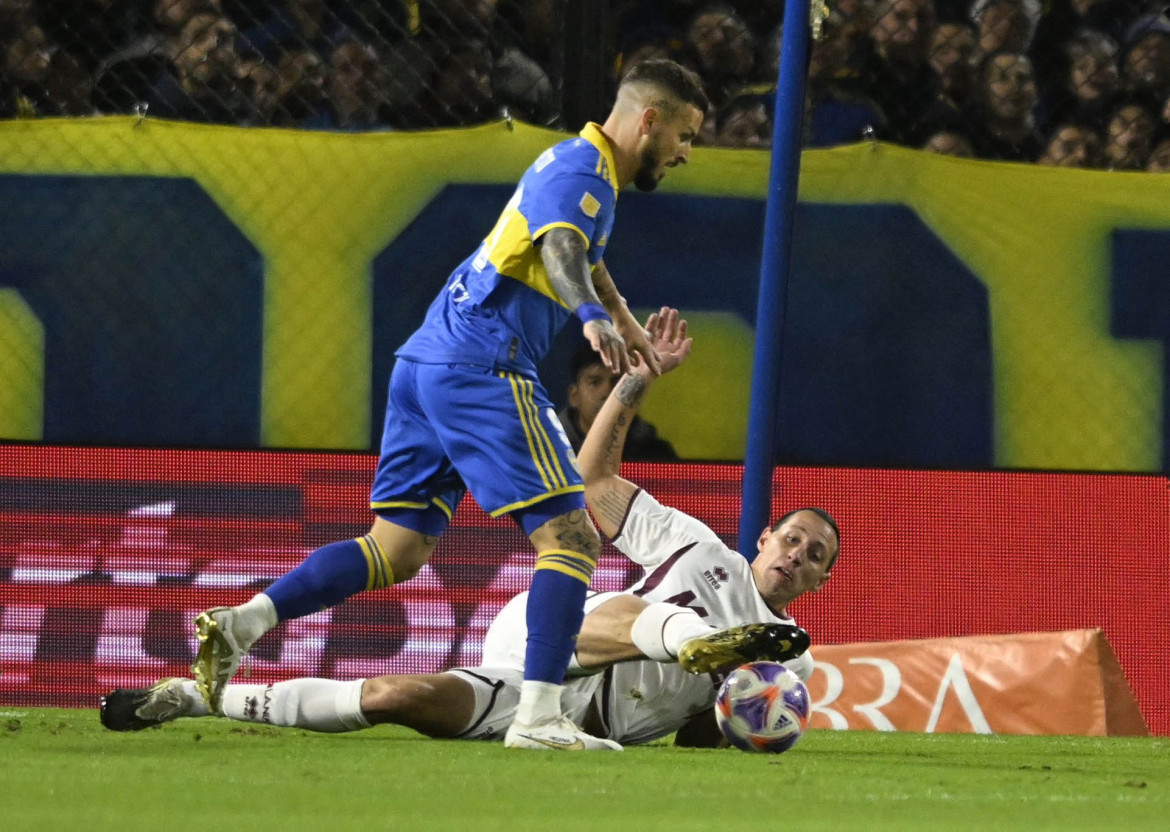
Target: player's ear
{"type": "Point", "coordinates": [763, 541]}
{"type": "Point", "coordinates": [649, 116]}
{"type": "Point", "coordinates": [821, 582]}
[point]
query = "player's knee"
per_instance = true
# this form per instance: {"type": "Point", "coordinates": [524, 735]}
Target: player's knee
{"type": "Point", "coordinates": [388, 698]}
{"type": "Point", "coordinates": [406, 551]}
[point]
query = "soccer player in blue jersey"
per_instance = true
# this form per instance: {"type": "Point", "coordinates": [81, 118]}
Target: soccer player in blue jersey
{"type": "Point", "coordinates": [466, 409]}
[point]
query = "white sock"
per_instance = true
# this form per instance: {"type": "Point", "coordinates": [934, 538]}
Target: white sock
{"type": "Point", "coordinates": [193, 700]}
{"type": "Point", "coordinates": [253, 619]}
{"type": "Point", "coordinates": [316, 704]}
{"type": "Point", "coordinates": [539, 702]}
{"type": "Point", "coordinates": [661, 629]}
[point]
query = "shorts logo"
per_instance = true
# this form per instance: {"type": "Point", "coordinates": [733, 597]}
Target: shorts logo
{"type": "Point", "coordinates": [590, 205]}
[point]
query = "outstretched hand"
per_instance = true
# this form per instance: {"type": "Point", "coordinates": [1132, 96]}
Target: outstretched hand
{"type": "Point", "coordinates": [667, 333]}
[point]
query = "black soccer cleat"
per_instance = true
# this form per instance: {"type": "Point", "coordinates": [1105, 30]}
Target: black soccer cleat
{"type": "Point", "coordinates": [739, 645]}
{"type": "Point", "coordinates": [133, 709]}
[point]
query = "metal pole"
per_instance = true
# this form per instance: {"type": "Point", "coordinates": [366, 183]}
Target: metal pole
{"type": "Point", "coordinates": [787, 122]}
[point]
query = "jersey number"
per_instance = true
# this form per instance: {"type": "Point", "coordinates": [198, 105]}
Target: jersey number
{"type": "Point", "coordinates": [683, 599]}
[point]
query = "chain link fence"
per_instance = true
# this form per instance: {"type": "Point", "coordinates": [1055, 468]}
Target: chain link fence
{"type": "Point", "coordinates": [351, 65]}
{"type": "Point", "coordinates": [170, 284]}
{"type": "Point", "coordinates": [1081, 83]}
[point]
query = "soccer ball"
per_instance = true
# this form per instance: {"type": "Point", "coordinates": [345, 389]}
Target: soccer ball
{"type": "Point", "coordinates": [762, 707]}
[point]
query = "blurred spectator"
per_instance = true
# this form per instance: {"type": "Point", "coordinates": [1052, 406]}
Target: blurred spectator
{"type": "Point", "coordinates": [531, 26]}
{"type": "Point", "coordinates": [354, 87]}
{"type": "Point", "coordinates": [1091, 86]}
{"type": "Point", "coordinates": [952, 46]}
{"type": "Point", "coordinates": [896, 73]}
{"type": "Point", "coordinates": [1147, 56]}
{"type": "Point", "coordinates": [1159, 161]}
{"type": "Point", "coordinates": [1072, 146]}
{"type": "Point", "coordinates": [265, 90]}
{"type": "Point", "coordinates": [1007, 100]}
{"type": "Point", "coordinates": [461, 92]}
{"type": "Point", "coordinates": [722, 49]}
{"type": "Point", "coordinates": [1129, 137]}
{"type": "Point", "coordinates": [300, 88]}
{"type": "Point", "coordinates": [519, 83]}
{"type": "Point", "coordinates": [207, 80]}
{"type": "Point", "coordinates": [744, 122]}
{"type": "Point", "coordinates": [126, 76]}
{"type": "Point", "coordinates": [838, 109]}
{"type": "Point", "coordinates": [591, 385]}
{"type": "Point", "coordinates": [949, 143]}
{"type": "Point", "coordinates": [293, 25]}
{"type": "Point", "coordinates": [454, 21]}
{"type": "Point", "coordinates": [28, 55]}
{"type": "Point", "coordinates": [40, 78]}
{"type": "Point", "coordinates": [1004, 25]}
{"type": "Point", "coordinates": [1063, 18]}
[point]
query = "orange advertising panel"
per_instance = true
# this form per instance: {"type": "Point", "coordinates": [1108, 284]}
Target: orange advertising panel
{"type": "Point", "coordinates": [1026, 683]}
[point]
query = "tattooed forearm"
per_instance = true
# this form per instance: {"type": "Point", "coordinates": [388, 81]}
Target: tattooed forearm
{"type": "Point", "coordinates": [606, 288]}
{"type": "Point", "coordinates": [630, 389]}
{"type": "Point", "coordinates": [565, 260]}
{"type": "Point", "coordinates": [610, 505]}
{"type": "Point", "coordinates": [616, 442]}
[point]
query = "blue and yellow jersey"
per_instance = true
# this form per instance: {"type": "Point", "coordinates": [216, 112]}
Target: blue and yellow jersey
{"type": "Point", "coordinates": [499, 308]}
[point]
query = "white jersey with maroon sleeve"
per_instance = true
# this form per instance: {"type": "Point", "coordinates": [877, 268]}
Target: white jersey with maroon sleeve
{"type": "Point", "coordinates": [688, 565]}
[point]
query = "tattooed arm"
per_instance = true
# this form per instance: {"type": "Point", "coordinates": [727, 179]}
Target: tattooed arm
{"type": "Point", "coordinates": [600, 458]}
{"type": "Point", "coordinates": [563, 252]}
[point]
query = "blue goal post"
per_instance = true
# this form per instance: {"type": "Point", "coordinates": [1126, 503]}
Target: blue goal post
{"type": "Point", "coordinates": [787, 122]}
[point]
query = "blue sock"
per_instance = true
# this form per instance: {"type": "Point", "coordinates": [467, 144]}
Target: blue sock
{"type": "Point", "coordinates": [555, 612]}
{"type": "Point", "coordinates": [330, 575]}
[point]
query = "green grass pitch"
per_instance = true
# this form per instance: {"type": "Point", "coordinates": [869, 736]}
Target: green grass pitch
{"type": "Point", "coordinates": [59, 770]}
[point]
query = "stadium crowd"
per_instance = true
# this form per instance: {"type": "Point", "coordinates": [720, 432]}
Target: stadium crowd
{"type": "Point", "coordinates": [1078, 83]}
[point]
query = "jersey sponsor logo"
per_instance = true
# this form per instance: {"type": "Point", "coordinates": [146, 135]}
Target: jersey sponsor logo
{"type": "Point", "coordinates": [589, 205]}
{"type": "Point", "coordinates": [716, 577]}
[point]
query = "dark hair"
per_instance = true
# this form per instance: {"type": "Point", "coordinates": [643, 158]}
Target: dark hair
{"type": "Point", "coordinates": [824, 515]}
{"type": "Point", "coordinates": [682, 83]}
{"type": "Point", "coordinates": [583, 357]}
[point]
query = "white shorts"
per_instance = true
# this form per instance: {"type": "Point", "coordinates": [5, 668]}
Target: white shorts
{"type": "Point", "coordinates": [497, 695]}
{"type": "Point", "coordinates": [633, 702]}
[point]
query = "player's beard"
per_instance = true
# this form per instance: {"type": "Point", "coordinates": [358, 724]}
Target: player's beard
{"type": "Point", "coordinates": [646, 179]}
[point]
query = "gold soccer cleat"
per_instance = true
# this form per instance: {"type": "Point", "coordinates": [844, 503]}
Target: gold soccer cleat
{"type": "Point", "coordinates": [739, 645]}
{"type": "Point", "coordinates": [219, 655]}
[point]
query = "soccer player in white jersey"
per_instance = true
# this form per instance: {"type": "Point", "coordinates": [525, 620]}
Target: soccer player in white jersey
{"type": "Point", "coordinates": [646, 658]}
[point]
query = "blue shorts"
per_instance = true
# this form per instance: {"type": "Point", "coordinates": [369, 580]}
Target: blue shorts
{"type": "Point", "coordinates": [454, 427]}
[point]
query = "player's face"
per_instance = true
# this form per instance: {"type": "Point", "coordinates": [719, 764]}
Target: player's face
{"type": "Point", "coordinates": [667, 143]}
{"type": "Point", "coordinates": [590, 391]}
{"type": "Point", "coordinates": [794, 559]}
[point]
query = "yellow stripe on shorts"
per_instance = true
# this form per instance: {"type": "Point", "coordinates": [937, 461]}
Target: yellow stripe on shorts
{"type": "Point", "coordinates": [522, 411]}
{"type": "Point", "coordinates": [559, 479]}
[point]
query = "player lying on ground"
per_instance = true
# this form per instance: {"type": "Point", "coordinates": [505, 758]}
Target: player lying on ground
{"type": "Point", "coordinates": [686, 614]}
